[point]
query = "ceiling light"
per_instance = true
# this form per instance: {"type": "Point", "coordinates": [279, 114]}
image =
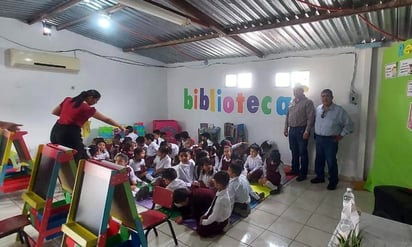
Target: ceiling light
{"type": "Point", "coordinates": [154, 10]}
{"type": "Point", "coordinates": [104, 21]}
{"type": "Point", "coordinates": [47, 28]}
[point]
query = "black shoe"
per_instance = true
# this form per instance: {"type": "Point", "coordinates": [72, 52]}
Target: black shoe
{"type": "Point", "coordinates": [317, 180]}
{"type": "Point", "coordinates": [300, 178]}
{"type": "Point", "coordinates": [275, 191]}
{"type": "Point", "coordinates": [261, 196]}
{"type": "Point", "coordinates": [331, 187]}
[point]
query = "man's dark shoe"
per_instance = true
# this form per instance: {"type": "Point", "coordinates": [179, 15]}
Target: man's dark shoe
{"type": "Point", "coordinates": [331, 187]}
{"type": "Point", "coordinates": [300, 178]}
{"type": "Point", "coordinates": [317, 180]}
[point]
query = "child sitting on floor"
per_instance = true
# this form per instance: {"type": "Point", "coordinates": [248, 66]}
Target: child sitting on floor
{"type": "Point", "coordinates": [152, 148]}
{"type": "Point", "coordinates": [226, 159]}
{"type": "Point", "coordinates": [171, 181]}
{"type": "Point", "coordinates": [217, 216]}
{"type": "Point", "coordinates": [186, 168]}
{"type": "Point", "coordinates": [162, 161]}
{"type": "Point", "coordinates": [206, 174]}
{"type": "Point", "coordinates": [271, 175]}
{"type": "Point", "coordinates": [192, 203]}
{"type": "Point", "coordinates": [239, 190]}
{"type": "Point", "coordinates": [254, 164]}
{"type": "Point", "coordinates": [102, 153]}
{"type": "Point", "coordinates": [138, 165]}
{"type": "Point", "coordinates": [123, 160]}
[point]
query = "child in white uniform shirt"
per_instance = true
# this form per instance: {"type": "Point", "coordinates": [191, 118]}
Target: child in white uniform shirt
{"type": "Point", "coordinates": [123, 160]}
{"type": "Point", "coordinates": [162, 161]}
{"type": "Point", "coordinates": [151, 151]}
{"type": "Point", "coordinates": [254, 164]}
{"type": "Point", "coordinates": [138, 164]}
{"type": "Point", "coordinates": [102, 153]}
{"type": "Point", "coordinates": [239, 190]}
{"type": "Point", "coordinates": [217, 216]}
{"type": "Point", "coordinates": [186, 168]}
{"type": "Point", "coordinates": [171, 180]}
{"type": "Point", "coordinates": [206, 174]}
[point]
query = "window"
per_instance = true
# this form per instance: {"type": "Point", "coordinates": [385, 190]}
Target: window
{"type": "Point", "coordinates": [282, 80]}
{"type": "Point", "coordinates": [300, 77]}
{"type": "Point", "coordinates": [244, 80]}
{"type": "Point", "coordinates": [286, 79]}
{"type": "Point", "coordinates": [231, 81]}
{"type": "Point", "coordinates": [241, 80]}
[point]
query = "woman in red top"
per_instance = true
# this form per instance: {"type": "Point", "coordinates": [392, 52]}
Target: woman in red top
{"type": "Point", "coordinates": [73, 113]}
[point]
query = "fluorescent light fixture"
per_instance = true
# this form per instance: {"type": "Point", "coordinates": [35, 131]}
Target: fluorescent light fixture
{"type": "Point", "coordinates": [244, 80]}
{"type": "Point", "coordinates": [231, 80]}
{"type": "Point", "coordinates": [282, 79]}
{"type": "Point", "coordinates": [104, 21]}
{"type": "Point", "coordinates": [154, 10]}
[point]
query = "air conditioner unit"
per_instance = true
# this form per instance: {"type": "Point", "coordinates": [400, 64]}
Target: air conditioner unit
{"type": "Point", "coordinates": [41, 61]}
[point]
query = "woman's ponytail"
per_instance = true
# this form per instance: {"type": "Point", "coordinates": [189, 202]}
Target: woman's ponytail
{"type": "Point", "coordinates": [83, 95]}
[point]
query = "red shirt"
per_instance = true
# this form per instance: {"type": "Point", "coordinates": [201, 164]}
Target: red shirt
{"type": "Point", "coordinates": [75, 116]}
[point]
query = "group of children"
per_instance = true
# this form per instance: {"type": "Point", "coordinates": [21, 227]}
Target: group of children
{"type": "Point", "coordinates": [209, 181]}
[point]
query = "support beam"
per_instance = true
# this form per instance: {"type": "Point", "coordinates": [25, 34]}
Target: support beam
{"type": "Point", "coordinates": [173, 42]}
{"type": "Point", "coordinates": [325, 16]}
{"type": "Point", "coordinates": [274, 24]}
{"type": "Point", "coordinates": [209, 22]}
{"type": "Point", "coordinates": [246, 44]}
{"type": "Point", "coordinates": [109, 10]}
{"type": "Point", "coordinates": [53, 11]}
{"type": "Point", "coordinates": [215, 25]}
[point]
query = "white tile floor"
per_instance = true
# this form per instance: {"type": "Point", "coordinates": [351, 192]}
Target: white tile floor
{"type": "Point", "coordinates": [304, 214]}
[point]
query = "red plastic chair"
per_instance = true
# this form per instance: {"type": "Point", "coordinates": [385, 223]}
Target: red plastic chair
{"type": "Point", "coordinates": [152, 217]}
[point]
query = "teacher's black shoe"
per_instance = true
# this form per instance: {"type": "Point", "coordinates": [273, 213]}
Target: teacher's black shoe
{"type": "Point", "coordinates": [331, 187]}
{"type": "Point", "coordinates": [317, 180]}
{"type": "Point", "coordinates": [301, 178]}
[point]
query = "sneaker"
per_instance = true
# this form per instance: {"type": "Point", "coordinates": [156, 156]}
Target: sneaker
{"type": "Point", "coordinates": [300, 178]}
{"type": "Point", "coordinates": [317, 180]}
{"type": "Point", "coordinates": [331, 187]}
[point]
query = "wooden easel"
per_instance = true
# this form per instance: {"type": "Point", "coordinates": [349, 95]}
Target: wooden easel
{"type": "Point", "coordinates": [102, 194]}
{"type": "Point", "coordinates": [53, 162]}
{"type": "Point", "coordinates": [13, 177]}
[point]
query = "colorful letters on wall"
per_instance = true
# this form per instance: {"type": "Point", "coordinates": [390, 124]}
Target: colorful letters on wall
{"type": "Point", "coordinates": [214, 100]}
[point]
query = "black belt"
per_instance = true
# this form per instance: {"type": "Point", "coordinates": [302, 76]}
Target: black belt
{"type": "Point", "coordinates": [325, 136]}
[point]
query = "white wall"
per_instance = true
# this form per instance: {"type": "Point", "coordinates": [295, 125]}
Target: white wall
{"type": "Point", "coordinates": [28, 97]}
{"type": "Point", "coordinates": [128, 91]}
{"type": "Point", "coordinates": [332, 69]}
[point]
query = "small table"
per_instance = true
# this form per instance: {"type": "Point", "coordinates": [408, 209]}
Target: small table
{"type": "Point", "coordinates": [378, 231]}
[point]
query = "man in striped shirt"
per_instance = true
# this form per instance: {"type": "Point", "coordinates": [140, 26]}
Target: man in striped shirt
{"type": "Point", "coordinates": [298, 124]}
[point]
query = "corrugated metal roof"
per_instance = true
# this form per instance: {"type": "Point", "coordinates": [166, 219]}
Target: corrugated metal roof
{"type": "Point", "coordinates": [25, 9]}
{"type": "Point", "coordinates": [132, 28]}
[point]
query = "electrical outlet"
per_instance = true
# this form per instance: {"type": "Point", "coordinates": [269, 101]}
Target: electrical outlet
{"type": "Point", "coordinates": [354, 98]}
